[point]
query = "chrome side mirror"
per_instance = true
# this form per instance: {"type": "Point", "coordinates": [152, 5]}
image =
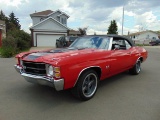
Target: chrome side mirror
{"type": "Point", "coordinates": [116, 47]}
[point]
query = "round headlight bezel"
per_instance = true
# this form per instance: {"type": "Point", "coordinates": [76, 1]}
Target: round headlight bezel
{"type": "Point", "coordinates": [50, 71]}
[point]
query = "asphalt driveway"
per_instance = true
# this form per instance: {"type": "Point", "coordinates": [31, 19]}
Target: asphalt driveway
{"type": "Point", "coordinates": [122, 97]}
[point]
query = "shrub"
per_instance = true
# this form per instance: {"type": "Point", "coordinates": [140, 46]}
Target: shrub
{"type": "Point", "coordinates": [22, 45]}
{"type": "Point", "coordinates": [9, 42]}
{"type": "Point", "coordinates": [9, 47]}
{"type": "Point", "coordinates": [22, 38]}
{"type": "Point", "coordinates": [16, 41]}
{"type": "Point", "coordinates": [7, 52]}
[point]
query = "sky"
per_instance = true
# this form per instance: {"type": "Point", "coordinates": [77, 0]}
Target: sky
{"type": "Point", "coordinates": [139, 15]}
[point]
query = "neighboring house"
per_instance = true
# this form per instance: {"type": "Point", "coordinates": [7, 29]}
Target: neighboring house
{"type": "Point", "coordinates": [144, 36]}
{"type": "Point", "coordinates": [74, 32]}
{"type": "Point", "coordinates": [48, 26]}
{"type": "Point", "coordinates": [2, 31]}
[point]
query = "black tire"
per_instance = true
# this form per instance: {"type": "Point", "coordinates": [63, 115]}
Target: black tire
{"type": "Point", "coordinates": [136, 69]}
{"type": "Point", "coordinates": [86, 85]}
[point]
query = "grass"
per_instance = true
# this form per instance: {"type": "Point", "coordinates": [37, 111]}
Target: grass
{"type": "Point", "coordinates": [7, 53]}
{"type": "Point", "coordinates": [142, 45]}
{"type": "Point", "coordinates": [0, 50]}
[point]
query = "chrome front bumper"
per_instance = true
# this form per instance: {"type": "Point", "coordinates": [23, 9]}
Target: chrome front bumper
{"type": "Point", "coordinates": [42, 80]}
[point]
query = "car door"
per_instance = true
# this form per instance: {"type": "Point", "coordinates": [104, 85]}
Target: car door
{"type": "Point", "coordinates": [120, 58]}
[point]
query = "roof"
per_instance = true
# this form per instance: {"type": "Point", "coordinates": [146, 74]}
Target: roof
{"type": "Point", "coordinates": [116, 36]}
{"type": "Point", "coordinates": [46, 20]}
{"type": "Point", "coordinates": [48, 13]}
{"type": "Point", "coordinates": [74, 32]}
{"type": "Point", "coordinates": [42, 13]}
{"type": "Point", "coordinates": [138, 33]}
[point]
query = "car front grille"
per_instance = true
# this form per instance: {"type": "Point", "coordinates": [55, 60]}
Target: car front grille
{"type": "Point", "coordinates": [34, 68]}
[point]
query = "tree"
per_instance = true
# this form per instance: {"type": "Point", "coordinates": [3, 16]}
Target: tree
{"type": "Point", "coordinates": [112, 29]}
{"type": "Point", "coordinates": [14, 21]}
{"type": "Point", "coordinates": [83, 30]}
{"type": "Point", "coordinates": [2, 16]}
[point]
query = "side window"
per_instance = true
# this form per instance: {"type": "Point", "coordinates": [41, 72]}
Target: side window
{"type": "Point", "coordinates": [128, 46]}
{"type": "Point", "coordinates": [63, 39]}
{"type": "Point", "coordinates": [120, 42]}
{"type": "Point", "coordinates": [60, 38]}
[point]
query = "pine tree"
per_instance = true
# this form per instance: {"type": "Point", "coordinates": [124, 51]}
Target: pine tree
{"type": "Point", "coordinates": [112, 29]}
{"type": "Point", "coordinates": [14, 21]}
{"type": "Point", "coordinates": [2, 16]}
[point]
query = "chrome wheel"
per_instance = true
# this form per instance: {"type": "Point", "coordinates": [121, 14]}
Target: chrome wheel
{"type": "Point", "coordinates": [86, 85]}
{"type": "Point", "coordinates": [89, 85]}
{"type": "Point", "coordinates": [138, 66]}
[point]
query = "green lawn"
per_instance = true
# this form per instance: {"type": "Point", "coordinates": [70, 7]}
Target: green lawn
{"type": "Point", "coordinates": [0, 51]}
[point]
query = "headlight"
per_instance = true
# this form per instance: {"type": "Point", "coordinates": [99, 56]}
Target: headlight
{"type": "Point", "coordinates": [53, 71]}
{"type": "Point", "coordinates": [50, 71]}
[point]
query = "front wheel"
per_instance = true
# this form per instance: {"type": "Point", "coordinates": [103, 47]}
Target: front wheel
{"type": "Point", "coordinates": [86, 86]}
{"type": "Point", "coordinates": [136, 69]}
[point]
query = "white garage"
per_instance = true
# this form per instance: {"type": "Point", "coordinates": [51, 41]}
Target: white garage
{"type": "Point", "coordinates": [47, 40]}
{"type": "Point", "coordinates": [45, 33]}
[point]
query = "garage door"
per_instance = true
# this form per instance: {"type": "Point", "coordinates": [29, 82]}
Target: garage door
{"type": "Point", "coordinates": [47, 40]}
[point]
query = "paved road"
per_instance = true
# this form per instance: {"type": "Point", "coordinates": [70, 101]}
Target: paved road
{"type": "Point", "coordinates": [123, 97]}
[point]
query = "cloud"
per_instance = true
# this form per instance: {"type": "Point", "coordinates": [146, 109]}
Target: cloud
{"type": "Point", "coordinates": [92, 13]}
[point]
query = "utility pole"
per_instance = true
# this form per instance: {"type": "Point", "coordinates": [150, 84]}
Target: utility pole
{"type": "Point", "coordinates": [122, 19]}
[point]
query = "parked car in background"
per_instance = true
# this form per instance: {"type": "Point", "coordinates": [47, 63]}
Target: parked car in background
{"type": "Point", "coordinates": [155, 42]}
{"type": "Point", "coordinates": [83, 64]}
{"type": "Point", "coordinates": [65, 41]}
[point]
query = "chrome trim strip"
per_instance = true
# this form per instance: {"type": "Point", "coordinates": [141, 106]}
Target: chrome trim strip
{"type": "Point", "coordinates": [110, 44]}
{"type": "Point", "coordinates": [34, 68]}
{"type": "Point", "coordinates": [84, 70]}
{"type": "Point", "coordinates": [34, 62]}
{"type": "Point", "coordinates": [42, 80]}
{"type": "Point", "coordinates": [18, 68]}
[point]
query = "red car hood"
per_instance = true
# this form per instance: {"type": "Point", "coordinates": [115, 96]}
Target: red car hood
{"type": "Point", "coordinates": [63, 56]}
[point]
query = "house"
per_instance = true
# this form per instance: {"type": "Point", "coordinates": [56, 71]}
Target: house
{"type": "Point", "coordinates": [48, 26]}
{"type": "Point", "coordinates": [144, 36]}
{"type": "Point", "coordinates": [2, 31]}
{"type": "Point", "coordinates": [74, 32]}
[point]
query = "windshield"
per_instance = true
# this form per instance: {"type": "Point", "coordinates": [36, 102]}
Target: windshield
{"type": "Point", "coordinates": [91, 42]}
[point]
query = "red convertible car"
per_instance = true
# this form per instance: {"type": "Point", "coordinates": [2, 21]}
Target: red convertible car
{"type": "Point", "coordinates": [83, 64]}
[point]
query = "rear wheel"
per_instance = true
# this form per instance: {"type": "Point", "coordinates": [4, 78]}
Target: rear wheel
{"type": "Point", "coordinates": [136, 69]}
{"type": "Point", "coordinates": [86, 86]}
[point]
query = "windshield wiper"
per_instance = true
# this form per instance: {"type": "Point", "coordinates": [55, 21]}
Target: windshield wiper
{"type": "Point", "coordinates": [81, 48]}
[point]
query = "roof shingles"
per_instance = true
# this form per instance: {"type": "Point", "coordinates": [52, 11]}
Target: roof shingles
{"type": "Point", "coordinates": [42, 13]}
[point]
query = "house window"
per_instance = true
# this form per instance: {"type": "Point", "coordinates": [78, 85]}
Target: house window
{"type": "Point", "coordinates": [154, 38]}
{"type": "Point", "coordinates": [41, 19]}
{"type": "Point", "coordinates": [63, 20]}
{"type": "Point", "coordinates": [147, 37]}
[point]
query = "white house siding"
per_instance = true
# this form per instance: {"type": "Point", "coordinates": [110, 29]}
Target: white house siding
{"type": "Point", "coordinates": [145, 37]}
{"type": "Point", "coordinates": [50, 25]}
{"type": "Point", "coordinates": [46, 33]}
{"type": "Point", "coordinates": [54, 15]}
{"type": "Point", "coordinates": [35, 20]}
